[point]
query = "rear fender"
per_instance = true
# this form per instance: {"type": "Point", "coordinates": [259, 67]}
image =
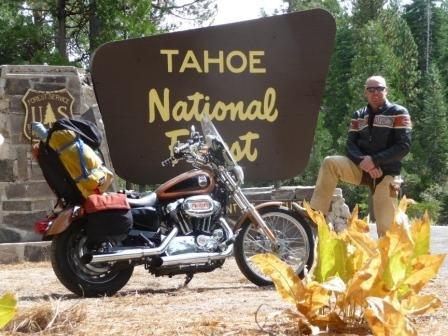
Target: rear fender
{"type": "Point", "coordinates": [63, 220]}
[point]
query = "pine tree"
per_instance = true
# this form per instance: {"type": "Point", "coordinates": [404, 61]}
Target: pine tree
{"type": "Point", "coordinates": [420, 17]}
{"type": "Point", "coordinates": [374, 56]}
{"type": "Point", "coordinates": [365, 11]}
{"type": "Point", "coordinates": [335, 104]}
{"type": "Point", "coordinates": [399, 35]}
{"type": "Point", "coordinates": [49, 118]}
{"type": "Point", "coordinates": [432, 130]}
{"type": "Point", "coordinates": [441, 47]}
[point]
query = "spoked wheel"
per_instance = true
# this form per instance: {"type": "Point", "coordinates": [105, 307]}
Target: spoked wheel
{"type": "Point", "coordinates": [67, 250]}
{"type": "Point", "coordinates": [295, 243]}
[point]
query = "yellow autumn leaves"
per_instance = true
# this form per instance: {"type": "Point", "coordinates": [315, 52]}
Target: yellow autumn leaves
{"type": "Point", "coordinates": [8, 308]}
{"type": "Point", "coordinates": [357, 280]}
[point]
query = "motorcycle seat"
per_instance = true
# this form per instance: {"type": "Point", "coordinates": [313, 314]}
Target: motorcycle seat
{"type": "Point", "coordinates": [145, 201]}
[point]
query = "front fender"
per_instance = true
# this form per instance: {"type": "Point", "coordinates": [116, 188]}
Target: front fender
{"type": "Point", "coordinates": [296, 208]}
{"type": "Point", "coordinates": [246, 215]}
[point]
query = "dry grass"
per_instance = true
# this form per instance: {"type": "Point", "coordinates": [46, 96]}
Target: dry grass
{"type": "Point", "coordinates": [222, 302]}
{"type": "Point", "coordinates": [47, 318]}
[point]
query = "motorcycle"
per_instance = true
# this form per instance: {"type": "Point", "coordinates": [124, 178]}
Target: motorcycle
{"type": "Point", "coordinates": [183, 227]}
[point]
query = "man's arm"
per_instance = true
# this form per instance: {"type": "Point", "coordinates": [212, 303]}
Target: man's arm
{"type": "Point", "coordinates": [402, 140]}
{"type": "Point", "coordinates": [353, 151]}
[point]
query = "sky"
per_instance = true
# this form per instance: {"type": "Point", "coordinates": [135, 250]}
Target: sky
{"type": "Point", "coordinates": [240, 10]}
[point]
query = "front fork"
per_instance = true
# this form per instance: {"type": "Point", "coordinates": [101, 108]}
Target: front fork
{"type": "Point", "coordinates": [246, 207]}
{"type": "Point", "coordinates": [250, 211]}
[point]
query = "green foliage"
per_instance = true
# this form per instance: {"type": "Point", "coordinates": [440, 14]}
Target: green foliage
{"type": "Point", "coordinates": [399, 37]}
{"type": "Point", "coordinates": [374, 55]}
{"type": "Point", "coordinates": [432, 130]}
{"type": "Point", "coordinates": [335, 104]}
{"type": "Point", "coordinates": [441, 52]}
{"type": "Point", "coordinates": [443, 213]}
{"type": "Point", "coordinates": [419, 209]}
{"type": "Point", "coordinates": [365, 11]}
{"type": "Point", "coordinates": [419, 15]}
{"type": "Point", "coordinates": [16, 29]}
{"type": "Point", "coordinates": [53, 32]}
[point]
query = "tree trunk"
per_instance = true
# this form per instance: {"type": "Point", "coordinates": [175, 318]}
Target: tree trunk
{"type": "Point", "coordinates": [94, 27]}
{"type": "Point", "coordinates": [61, 33]}
{"type": "Point", "coordinates": [428, 35]}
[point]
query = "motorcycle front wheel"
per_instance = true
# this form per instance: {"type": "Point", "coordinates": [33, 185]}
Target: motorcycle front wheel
{"type": "Point", "coordinates": [295, 243]}
{"type": "Point", "coordinates": [87, 280]}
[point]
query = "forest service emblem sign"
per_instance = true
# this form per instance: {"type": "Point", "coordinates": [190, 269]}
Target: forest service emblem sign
{"type": "Point", "coordinates": [46, 107]}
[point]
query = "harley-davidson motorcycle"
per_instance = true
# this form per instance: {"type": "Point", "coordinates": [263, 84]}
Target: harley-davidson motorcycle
{"type": "Point", "coordinates": [182, 227]}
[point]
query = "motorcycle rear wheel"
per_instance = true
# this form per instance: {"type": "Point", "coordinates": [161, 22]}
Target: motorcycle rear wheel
{"type": "Point", "coordinates": [85, 280]}
{"type": "Point", "coordinates": [295, 238]}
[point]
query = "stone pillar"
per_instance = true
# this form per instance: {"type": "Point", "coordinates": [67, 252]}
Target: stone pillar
{"type": "Point", "coordinates": [24, 194]}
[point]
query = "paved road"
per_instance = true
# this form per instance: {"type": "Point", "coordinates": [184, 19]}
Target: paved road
{"type": "Point", "coordinates": [439, 244]}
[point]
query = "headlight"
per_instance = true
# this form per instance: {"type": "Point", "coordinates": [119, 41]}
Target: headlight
{"type": "Point", "coordinates": [239, 174]}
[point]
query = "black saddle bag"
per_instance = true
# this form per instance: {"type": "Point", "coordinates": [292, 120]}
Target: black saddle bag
{"type": "Point", "coordinates": [108, 217]}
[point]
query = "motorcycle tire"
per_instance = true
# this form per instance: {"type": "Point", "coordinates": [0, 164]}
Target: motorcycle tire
{"type": "Point", "coordinates": [85, 280]}
{"type": "Point", "coordinates": [294, 234]}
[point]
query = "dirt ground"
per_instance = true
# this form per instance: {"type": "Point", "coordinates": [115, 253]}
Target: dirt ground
{"type": "Point", "coordinates": [219, 303]}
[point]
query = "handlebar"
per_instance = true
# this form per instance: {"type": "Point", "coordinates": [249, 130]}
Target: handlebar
{"type": "Point", "coordinates": [178, 150]}
{"type": "Point", "coordinates": [168, 161]}
{"type": "Point", "coordinates": [184, 151]}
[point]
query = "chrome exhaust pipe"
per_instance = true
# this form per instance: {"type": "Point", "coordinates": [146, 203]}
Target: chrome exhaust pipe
{"type": "Point", "coordinates": [138, 253]}
{"type": "Point", "coordinates": [201, 257]}
{"type": "Point", "coordinates": [195, 258]}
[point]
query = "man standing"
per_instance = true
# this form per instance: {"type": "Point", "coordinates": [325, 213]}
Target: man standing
{"type": "Point", "coordinates": [378, 139]}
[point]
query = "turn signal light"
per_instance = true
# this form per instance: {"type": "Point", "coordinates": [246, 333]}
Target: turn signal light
{"type": "Point", "coordinates": [42, 225]}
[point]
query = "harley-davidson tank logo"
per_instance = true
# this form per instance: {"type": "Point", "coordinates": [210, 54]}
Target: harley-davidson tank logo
{"type": "Point", "coordinates": [202, 180]}
{"type": "Point", "coordinates": [46, 107]}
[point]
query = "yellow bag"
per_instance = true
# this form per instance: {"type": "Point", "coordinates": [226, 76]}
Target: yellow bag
{"type": "Point", "coordinates": [82, 163]}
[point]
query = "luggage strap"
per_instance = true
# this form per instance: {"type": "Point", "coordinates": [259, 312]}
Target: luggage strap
{"type": "Point", "coordinates": [80, 145]}
{"type": "Point", "coordinates": [81, 177]}
{"type": "Point", "coordinates": [64, 147]}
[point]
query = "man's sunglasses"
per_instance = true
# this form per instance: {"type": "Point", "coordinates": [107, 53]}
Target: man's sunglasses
{"type": "Point", "coordinates": [373, 89]}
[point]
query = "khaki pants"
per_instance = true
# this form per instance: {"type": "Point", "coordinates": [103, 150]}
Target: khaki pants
{"type": "Point", "coordinates": [341, 168]}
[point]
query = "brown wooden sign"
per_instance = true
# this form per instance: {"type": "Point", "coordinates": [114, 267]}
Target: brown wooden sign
{"type": "Point", "coordinates": [261, 82]}
{"type": "Point", "coordinates": [46, 107]}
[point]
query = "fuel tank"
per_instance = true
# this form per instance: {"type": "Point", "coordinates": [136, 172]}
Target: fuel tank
{"type": "Point", "coordinates": [194, 182]}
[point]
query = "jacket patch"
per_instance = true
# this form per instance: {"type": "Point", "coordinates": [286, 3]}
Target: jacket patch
{"type": "Point", "coordinates": [358, 124]}
{"type": "Point", "coordinates": [403, 121]}
{"type": "Point", "coordinates": [383, 121]}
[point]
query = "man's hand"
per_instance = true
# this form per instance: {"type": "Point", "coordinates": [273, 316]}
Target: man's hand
{"type": "Point", "coordinates": [375, 173]}
{"type": "Point", "coordinates": [367, 164]}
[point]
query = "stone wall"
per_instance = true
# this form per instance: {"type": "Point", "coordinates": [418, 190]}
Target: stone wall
{"type": "Point", "coordinates": [24, 194]}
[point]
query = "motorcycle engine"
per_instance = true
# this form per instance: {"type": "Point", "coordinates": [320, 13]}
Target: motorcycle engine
{"type": "Point", "coordinates": [192, 244]}
{"type": "Point", "coordinates": [198, 213]}
{"type": "Point", "coordinates": [198, 219]}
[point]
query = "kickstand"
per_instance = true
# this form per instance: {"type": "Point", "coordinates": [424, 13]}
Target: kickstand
{"type": "Point", "coordinates": [188, 279]}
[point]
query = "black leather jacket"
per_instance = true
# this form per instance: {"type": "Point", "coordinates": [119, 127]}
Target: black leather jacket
{"type": "Point", "coordinates": [385, 136]}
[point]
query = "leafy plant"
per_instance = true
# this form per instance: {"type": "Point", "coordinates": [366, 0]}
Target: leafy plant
{"type": "Point", "coordinates": [8, 305]}
{"type": "Point", "coordinates": [357, 281]}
